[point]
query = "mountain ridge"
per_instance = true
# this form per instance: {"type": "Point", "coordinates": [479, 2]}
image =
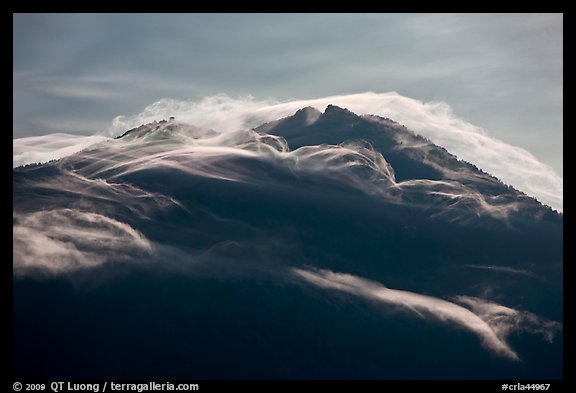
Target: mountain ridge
{"type": "Point", "coordinates": [308, 237]}
{"type": "Point", "coordinates": [388, 125]}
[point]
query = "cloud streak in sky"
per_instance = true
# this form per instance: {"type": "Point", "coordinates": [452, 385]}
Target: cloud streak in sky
{"type": "Point", "coordinates": [490, 322]}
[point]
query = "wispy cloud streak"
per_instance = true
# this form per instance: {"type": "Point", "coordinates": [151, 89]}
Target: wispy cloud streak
{"type": "Point", "coordinates": [505, 320]}
{"type": "Point", "coordinates": [504, 269]}
{"type": "Point", "coordinates": [63, 240]}
{"type": "Point", "coordinates": [490, 322]}
{"type": "Point", "coordinates": [41, 149]}
{"type": "Point", "coordinates": [247, 156]}
{"type": "Point", "coordinates": [434, 120]}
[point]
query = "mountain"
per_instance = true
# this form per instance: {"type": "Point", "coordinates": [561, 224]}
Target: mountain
{"type": "Point", "coordinates": [318, 246]}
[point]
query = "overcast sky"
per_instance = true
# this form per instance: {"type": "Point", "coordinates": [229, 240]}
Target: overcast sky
{"type": "Point", "coordinates": [503, 72]}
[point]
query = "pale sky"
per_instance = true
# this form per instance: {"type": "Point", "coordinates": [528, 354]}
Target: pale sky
{"type": "Point", "coordinates": [74, 73]}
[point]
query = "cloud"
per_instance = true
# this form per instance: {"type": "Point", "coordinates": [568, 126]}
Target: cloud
{"type": "Point", "coordinates": [456, 197]}
{"type": "Point", "coordinates": [77, 88]}
{"type": "Point", "coordinates": [40, 149]}
{"type": "Point", "coordinates": [504, 269]}
{"type": "Point", "coordinates": [110, 197]}
{"type": "Point", "coordinates": [490, 322]}
{"type": "Point", "coordinates": [434, 120]}
{"type": "Point", "coordinates": [63, 240]}
{"type": "Point", "coordinates": [75, 126]}
{"type": "Point", "coordinates": [77, 92]}
{"type": "Point", "coordinates": [250, 157]}
{"type": "Point", "coordinates": [504, 320]}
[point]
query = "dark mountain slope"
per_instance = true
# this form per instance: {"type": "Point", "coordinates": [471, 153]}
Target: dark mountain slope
{"type": "Point", "coordinates": [317, 246]}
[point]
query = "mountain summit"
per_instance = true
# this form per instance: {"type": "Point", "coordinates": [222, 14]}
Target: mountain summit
{"type": "Point", "coordinates": [318, 246]}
